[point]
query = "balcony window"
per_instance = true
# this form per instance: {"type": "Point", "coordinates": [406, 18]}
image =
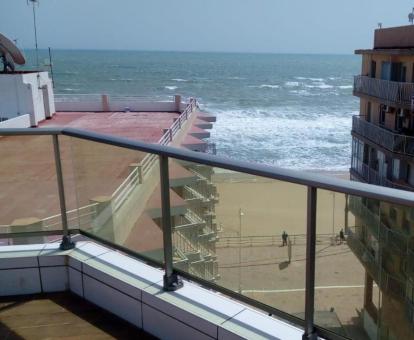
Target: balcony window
{"type": "Point", "coordinates": [393, 71]}
{"type": "Point", "coordinates": [399, 120]}
{"type": "Point", "coordinates": [373, 70]}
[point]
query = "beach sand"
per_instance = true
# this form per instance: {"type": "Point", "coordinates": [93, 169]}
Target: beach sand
{"type": "Point", "coordinates": [269, 207]}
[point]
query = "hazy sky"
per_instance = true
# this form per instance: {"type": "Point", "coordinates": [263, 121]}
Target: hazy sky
{"type": "Point", "coordinates": [281, 26]}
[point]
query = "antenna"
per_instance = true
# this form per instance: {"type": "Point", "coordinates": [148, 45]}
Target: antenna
{"type": "Point", "coordinates": [411, 17]}
{"type": "Point", "coordinates": [34, 2]}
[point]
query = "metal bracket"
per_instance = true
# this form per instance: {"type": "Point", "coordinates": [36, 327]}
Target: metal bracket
{"type": "Point", "coordinates": [172, 282]}
{"type": "Point", "coordinates": [311, 336]}
{"type": "Point", "coordinates": [67, 243]}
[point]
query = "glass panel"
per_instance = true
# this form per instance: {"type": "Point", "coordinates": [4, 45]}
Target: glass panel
{"type": "Point", "coordinates": [396, 243]}
{"type": "Point", "coordinates": [363, 267]}
{"type": "Point", "coordinates": [228, 229]}
{"type": "Point", "coordinates": [118, 196]}
{"type": "Point", "coordinates": [29, 199]}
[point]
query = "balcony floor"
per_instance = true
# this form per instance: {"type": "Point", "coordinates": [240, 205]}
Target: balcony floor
{"type": "Point", "coordinates": [61, 315]}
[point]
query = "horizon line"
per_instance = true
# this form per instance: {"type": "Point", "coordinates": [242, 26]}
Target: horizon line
{"type": "Point", "coordinates": [185, 51]}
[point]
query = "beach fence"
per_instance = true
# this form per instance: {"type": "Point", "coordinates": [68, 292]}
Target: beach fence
{"type": "Point", "coordinates": [269, 240]}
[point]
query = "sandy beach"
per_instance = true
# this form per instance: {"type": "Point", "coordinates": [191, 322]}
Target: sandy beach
{"type": "Point", "coordinates": [269, 207]}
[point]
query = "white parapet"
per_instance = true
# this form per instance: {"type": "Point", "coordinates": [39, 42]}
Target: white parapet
{"type": "Point", "coordinates": [116, 103]}
{"type": "Point", "coordinates": [26, 93]}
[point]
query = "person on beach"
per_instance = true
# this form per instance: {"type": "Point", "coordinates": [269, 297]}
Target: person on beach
{"type": "Point", "coordinates": [341, 236]}
{"type": "Point", "coordinates": [284, 238]}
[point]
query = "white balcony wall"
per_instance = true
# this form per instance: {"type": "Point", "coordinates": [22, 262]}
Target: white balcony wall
{"type": "Point", "coordinates": [26, 94]}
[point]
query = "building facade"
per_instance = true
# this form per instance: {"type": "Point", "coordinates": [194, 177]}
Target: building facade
{"type": "Point", "coordinates": [383, 154]}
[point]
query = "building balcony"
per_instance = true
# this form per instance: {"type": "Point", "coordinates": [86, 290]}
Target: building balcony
{"type": "Point", "coordinates": [150, 271]}
{"type": "Point", "coordinates": [369, 175]}
{"type": "Point", "coordinates": [387, 92]}
{"type": "Point", "coordinates": [387, 139]}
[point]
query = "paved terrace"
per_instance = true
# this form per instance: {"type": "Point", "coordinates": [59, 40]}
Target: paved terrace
{"type": "Point", "coordinates": [143, 126]}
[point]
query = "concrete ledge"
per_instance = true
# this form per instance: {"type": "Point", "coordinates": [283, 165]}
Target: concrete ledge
{"type": "Point", "coordinates": [133, 291]}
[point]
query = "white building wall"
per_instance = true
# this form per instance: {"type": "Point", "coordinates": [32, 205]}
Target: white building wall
{"type": "Point", "coordinates": [22, 94]}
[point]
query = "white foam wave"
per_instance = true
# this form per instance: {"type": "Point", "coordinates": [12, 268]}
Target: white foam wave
{"type": "Point", "coordinates": [292, 83]}
{"type": "Point", "coordinates": [345, 87]}
{"type": "Point", "coordinates": [309, 78]}
{"type": "Point", "coordinates": [179, 80]}
{"type": "Point", "coordinates": [69, 89]}
{"type": "Point", "coordinates": [269, 86]}
{"type": "Point", "coordinates": [121, 79]}
{"type": "Point", "coordinates": [172, 88]}
{"type": "Point", "coordinates": [320, 86]}
{"type": "Point", "coordinates": [291, 137]}
{"type": "Point", "coordinates": [304, 93]}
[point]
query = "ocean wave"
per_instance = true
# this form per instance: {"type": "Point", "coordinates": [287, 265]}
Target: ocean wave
{"type": "Point", "coordinates": [121, 79]}
{"type": "Point", "coordinates": [304, 93]}
{"type": "Point", "coordinates": [172, 88]}
{"type": "Point", "coordinates": [320, 86]}
{"type": "Point", "coordinates": [69, 89]}
{"type": "Point", "coordinates": [308, 78]}
{"type": "Point", "coordinates": [345, 87]}
{"type": "Point", "coordinates": [297, 138]}
{"type": "Point", "coordinates": [268, 86]}
{"type": "Point", "coordinates": [179, 79]}
{"type": "Point", "coordinates": [292, 83]}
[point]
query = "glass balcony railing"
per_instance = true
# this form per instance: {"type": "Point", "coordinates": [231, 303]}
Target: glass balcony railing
{"type": "Point", "coordinates": [387, 139]}
{"type": "Point", "coordinates": [285, 242]}
{"type": "Point", "coordinates": [389, 92]}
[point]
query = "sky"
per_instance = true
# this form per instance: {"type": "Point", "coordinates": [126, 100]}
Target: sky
{"type": "Point", "coordinates": [262, 26]}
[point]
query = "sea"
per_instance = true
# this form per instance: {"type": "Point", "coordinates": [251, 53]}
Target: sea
{"type": "Point", "coordinates": [288, 110]}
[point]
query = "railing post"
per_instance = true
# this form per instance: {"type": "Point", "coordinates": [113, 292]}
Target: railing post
{"type": "Point", "coordinates": [310, 265]}
{"type": "Point", "coordinates": [171, 280]}
{"type": "Point", "coordinates": [67, 243]}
